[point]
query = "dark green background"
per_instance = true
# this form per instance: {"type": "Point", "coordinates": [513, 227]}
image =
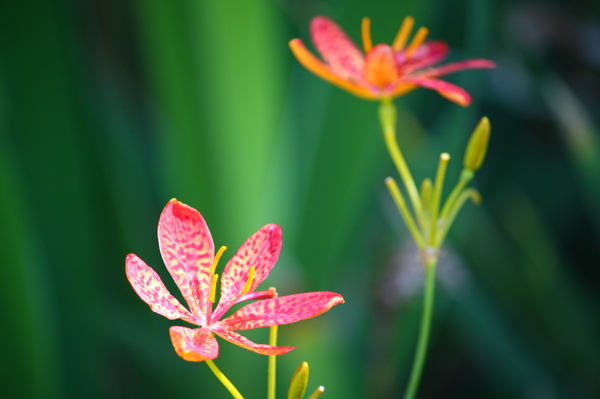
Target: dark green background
{"type": "Point", "coordinates": [110, 108]}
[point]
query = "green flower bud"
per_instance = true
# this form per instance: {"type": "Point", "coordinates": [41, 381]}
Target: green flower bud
{"type": "Point", "coordinates": [298, 382]}
{"type": "Point", "coordinates": [478, 144]}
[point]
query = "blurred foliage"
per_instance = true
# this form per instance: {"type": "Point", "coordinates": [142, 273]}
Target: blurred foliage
{"type": "Point", "coordinates": [108, 109]}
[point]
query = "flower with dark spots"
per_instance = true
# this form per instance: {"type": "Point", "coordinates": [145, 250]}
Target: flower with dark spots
{"type": "Point", "coordinates": [188, 251]}
{"type": "Point", "coordinates": [383, 71]}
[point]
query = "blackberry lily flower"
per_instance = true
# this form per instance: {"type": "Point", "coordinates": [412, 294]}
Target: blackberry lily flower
{"type": "Point", "coordinates": [384, 72]}
{"type": "Point", "coordinates": [187, 249]}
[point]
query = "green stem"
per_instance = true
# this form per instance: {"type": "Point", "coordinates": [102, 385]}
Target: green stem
{"type": "Point", "coordinates": [437, 195]}
{"type": "Point", "coordinates": [465, 177]}
{"type": "Point", "coordinates": [387, 117]}
{"type": "Point", "coordinates": [419, 360]}
{"type": "Point", "coordinates": [408, 219]}
{"type": "Point", "coordinates": [234, 392]}
{"type": "Point", "coordinates": [469, 193]}
{"type": "Point", "coordinates": [318, 392]}
{"type": "Point", "coordinates": [272, 362]}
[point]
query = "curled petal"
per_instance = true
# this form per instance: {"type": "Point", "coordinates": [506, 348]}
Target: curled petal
{"type": "Point", "coordinates": [194, 345]}
{"type": "Point", "coordinates": [148, 285]}
{"type": "Point", "coordinates": [336, 48]}
{"type": "Point", "coordinates": [315, 65]}
{"type": "Point", "coordinates": [282, 310]}
{"type": "Point", "coordinates": [455, 67]}
{"type": "Point", "coordinates": [187, 249]}
{"type": "Point", "coordinates": [446, 89]}
{"type": "Point", "coordinates": [260, 251]}
{"type": "Point", "coordinates": [245, 343]}
{"type": "Point", "coordinates": [270, 293]}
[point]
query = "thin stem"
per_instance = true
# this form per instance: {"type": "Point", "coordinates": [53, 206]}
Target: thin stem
{"type": "Point", "coordinates": [437, 195]}
{"type": "Point", "coordinates": [469, 193]}
{"type": "Point", "coordinates": [317, 392]}
{"type": "Point", "coordinates": [419, 360]}
{"type": "Point", "coordinates": [234, 392]}
{"type": "Point", "coordinates": [465, 177]}
{"type": "Point", "coordinates": [401, 204]}
{"type": "Point", "coordinates": [387, 116]}
{"type": "Point", "coordinates": [272, 362]}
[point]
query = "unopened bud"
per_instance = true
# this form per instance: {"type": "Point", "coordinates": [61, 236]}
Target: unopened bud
{"type": "Point", "coordinates": [426, 190]}
{"type": "Point", "coordinates": [298, 382]}
{"type": "Point", "coordinates": [478, 144]}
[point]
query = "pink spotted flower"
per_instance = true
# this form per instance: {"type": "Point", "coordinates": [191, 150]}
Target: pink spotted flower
{"type": "Point", "coordinates": [187, 249]}
{"type": "Point", "coordinates": [382, 72]}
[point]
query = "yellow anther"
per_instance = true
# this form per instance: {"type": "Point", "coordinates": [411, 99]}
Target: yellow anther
{"type": "Point", "coordinates": [213, 267]}
{"type": "Point", "coordinates": [417, 41]}
{"type": "Point", "coordinates": [366, 34]}
{"type": "Point", "coordinates": [403, 32]}
{"type": "Point", "coordinates": [250, 280]}
{"type": "Point", "coordinates": [213, 288]}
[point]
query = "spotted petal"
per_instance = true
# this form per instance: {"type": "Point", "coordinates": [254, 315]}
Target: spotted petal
{"type": "Point", "coordinates": [188, 251]}
{"type": "Point", "coordinates": [194, 345]}
{"type": "Point", "coordinates": [282, 310]}
{"type": "Point", "coordinates": [260, 251]}
{"type": "Point", "coordinates": [446, 89]}
{"type": "Point", "coordinates": [455, 67]}
{"type": "Point", "coordinates": [426, 55]}
{"type": "Point", "coordinates": [245, 343]}
{"type": "Point", "coordinates": [336, 48]}
{"type": "Point", "coordinates": [313, 64]}
{"type": "Point", "coordinates": [148, 285]}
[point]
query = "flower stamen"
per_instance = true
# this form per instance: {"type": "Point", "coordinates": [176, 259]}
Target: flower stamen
{"type": "Point", "coordinates": [249, 282]}
{"type": "Point", "coordinates": [419, 38]}
{"type": "Point", "coordinates": [366, 34]}
{"type": "Point", "coordinates": [218, 255]}
{"type": "Point", "coordinates": [403, 32]}
{"type": "Point", "coordinates": [213, 288]}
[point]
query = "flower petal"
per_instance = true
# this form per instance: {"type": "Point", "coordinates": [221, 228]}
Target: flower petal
{"type": "Point", "coordinates": [446, 89]}
{"type": "Point", "coordinates": [282, 310]}
{"type": "Point", "coordinates": [427, 54]}
{"type": "Point", "coordinates": [194, 345]}
{"type": "Point", "coordinates": [455, 67]}
{"type": "Point", "coordinates": [314, 65]}
{"type": "Point", "coordinates": [245, 343]}
{"type": "Point", "coordinates": [261, 251]}
{"type": "Point", "coordinates": [188, 251]}
{"type": "Point", "coordinates": [148, 285]}
{"type": "Point", "coordinates": [336, 48]}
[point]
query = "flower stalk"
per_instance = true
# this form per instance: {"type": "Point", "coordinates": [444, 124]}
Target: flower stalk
{"type": "Point", "coordinates": [430, 219]}
{"type": "Point", "coordinates": [224, 380]}
{"type": "Point", "coordinates": [272, 364]}
{"type": "Point", "coordinates": [423, 340]}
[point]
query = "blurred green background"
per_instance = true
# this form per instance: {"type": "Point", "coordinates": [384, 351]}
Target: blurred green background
{"type": "Point", "coordinates": [108, 109]}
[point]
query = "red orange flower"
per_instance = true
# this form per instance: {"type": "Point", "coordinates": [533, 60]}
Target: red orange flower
{"type": "Point", "coordinates": [187, 249]}
{"type": "Point", "coordinates": [383, 71]}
